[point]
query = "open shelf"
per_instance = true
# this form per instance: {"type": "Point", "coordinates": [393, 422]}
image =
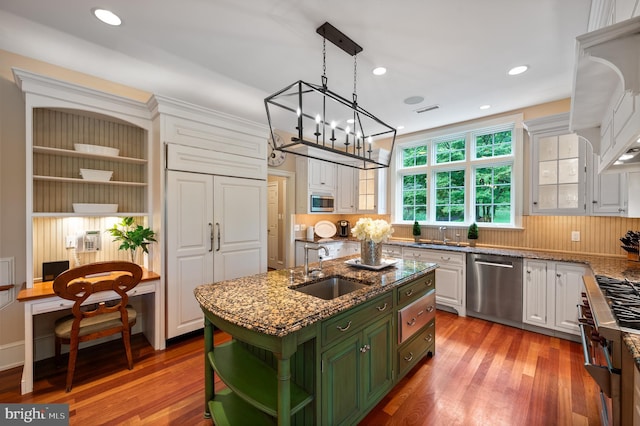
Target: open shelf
{"type": "Point", "coordinates": [78, 154]}
{"type": "Point", "coordinates": [77, 180]}
{"type": "Point", "coordinates": [252, 379]}
{"type": "Point", "coordinates": [227, 408]}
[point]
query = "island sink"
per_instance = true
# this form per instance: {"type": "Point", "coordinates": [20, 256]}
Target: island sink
{"type": "Point", "coordinates": [330, 287]}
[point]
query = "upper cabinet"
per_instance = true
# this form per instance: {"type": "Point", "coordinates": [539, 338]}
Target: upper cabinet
{"type": "Point", "coordinates": [605, 103]}
{"type": "Point", "coordinates": [372, 191]}
{"type": "Point", "coordinates": [558, 167]}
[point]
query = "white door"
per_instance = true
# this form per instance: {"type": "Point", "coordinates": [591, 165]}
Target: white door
{"type": "Point", "coordinates": [569, 287]}
{"type": "Point", "coordinates": [240, 227]}
{"type": "Point", "coordinates": [189, 247]}
{"type": "Point", "coordinates": [272, 225]}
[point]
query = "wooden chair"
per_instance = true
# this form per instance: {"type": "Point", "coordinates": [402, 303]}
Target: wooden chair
{"type": "Point", "coordinates": [92, 322]}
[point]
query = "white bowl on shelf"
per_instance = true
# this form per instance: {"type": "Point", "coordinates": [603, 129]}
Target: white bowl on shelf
{"type": "Point", "coordinates": [96, 149]}
{"type": "Point", "coordinates": [100, 175]}
{"type": "Point", "coordinates": [94, 208]}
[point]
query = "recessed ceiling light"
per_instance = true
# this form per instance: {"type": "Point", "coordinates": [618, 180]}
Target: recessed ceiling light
{"type": "Point", "coordinates": [379, 71]}
{"type": "Point", "coordinates": [518, 70]}
{"type": "Point", "coordinates": [625, 157]}
{"type": "Point", "coordinates": [487, 106]}
{"type": "Point", "coordinates": [412, 100]}
{"type": "Point", "coordinates": [107, 16]}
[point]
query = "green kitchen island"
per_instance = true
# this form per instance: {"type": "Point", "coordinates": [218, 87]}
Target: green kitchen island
{"type": "Point", "coordinates": [299, 359]}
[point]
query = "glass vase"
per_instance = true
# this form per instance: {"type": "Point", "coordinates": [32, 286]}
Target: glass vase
{"type": "Point", "coordinates": [370, 253]}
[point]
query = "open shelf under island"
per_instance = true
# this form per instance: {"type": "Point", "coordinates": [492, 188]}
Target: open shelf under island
{"type": "Point", "coordinates": [300, 359]}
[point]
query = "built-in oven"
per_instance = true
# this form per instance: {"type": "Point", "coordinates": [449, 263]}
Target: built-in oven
{"type": "Point", "coordinates": [322, 203]}
{"type": "Point", "coordinates": [601, 328]}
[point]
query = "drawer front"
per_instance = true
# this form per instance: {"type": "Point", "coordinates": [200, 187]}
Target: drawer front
{"type": "Point", "coordinates": [415, 316]}
{"type": "Point", "coordinates": [441, 257]}
{"type": "Point", "coordinates": [412, 291]}
{"type": "Point", "coordinates": [351, 322]}
{"type": "Point", "coordinates": [414, 350]}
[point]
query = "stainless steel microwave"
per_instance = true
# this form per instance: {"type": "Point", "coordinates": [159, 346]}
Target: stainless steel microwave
{"type": "Point", "coordinates": [322, 203]}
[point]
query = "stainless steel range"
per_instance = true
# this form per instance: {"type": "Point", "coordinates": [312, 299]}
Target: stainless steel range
{"type": "Point", "coordinates": [610, 308]}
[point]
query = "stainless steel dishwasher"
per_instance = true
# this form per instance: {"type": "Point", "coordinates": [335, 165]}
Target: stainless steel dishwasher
{"type": "Point", "coordinates": [494, 288]}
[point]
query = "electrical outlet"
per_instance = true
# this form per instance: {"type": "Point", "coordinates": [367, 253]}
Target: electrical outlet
{"type": "Point", "coordinates": [575, 236]}
{"type": "Point", "coordinates": [70, 242]}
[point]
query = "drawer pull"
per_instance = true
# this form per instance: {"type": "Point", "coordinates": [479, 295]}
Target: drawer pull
{"type": "Point", "coordinates": [430, 308]}
{"type": "Point", "coordinates": [381, 308]}
{"type": "Point", "coordinates": [344, 328]}
{"type": "Point", "coordinates": [409, 357]}
{"type": "Point", "coordinates": [412, 322]}
{"type": "Point", "coordinates": [420, 313]}
{"type": "Point", "coordinates": [429, 338]}
{"type": "Point", "coordinates": [408, 292]}
{"type": "Point", "coordinates": [365, 348]}
{"type": "Point", "coordinates": [445, 258]}
{"type": "Point", "coordinates": [429, 283]}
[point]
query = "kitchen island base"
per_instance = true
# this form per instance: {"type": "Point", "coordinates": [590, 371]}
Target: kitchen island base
{"type": "Point", "coordinates": [333, 370]}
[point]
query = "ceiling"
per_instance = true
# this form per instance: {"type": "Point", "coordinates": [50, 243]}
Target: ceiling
{"type": "Point", "coordinates": [229, 54]}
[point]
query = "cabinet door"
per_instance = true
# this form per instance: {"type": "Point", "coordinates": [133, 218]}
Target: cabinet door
{"type": "Point", "coordinates": [558, 175]}
{"type": "Point", "coordinates": [189, 247]}
{"type": "Point", "coordinates": [341, 382]}
{"type": "Point", "coordinates": [535, 292]}
{"type": "Point", "coordinates": [240, 227]}
{"type": "Point", "coordinates": [346, 190]}
{"type": "Point", "coordinates": [569, 286]}
{"type": "Point", "coordinates": [322, 175]}
{"type": "Point", "coordinates": [609, 197]}
{"type": "Point", "coordinates": [372, 191]}
{"type": "Point", "coordinates": [378, 361]}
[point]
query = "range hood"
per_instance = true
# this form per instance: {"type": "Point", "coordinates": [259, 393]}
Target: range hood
{"type": "Point", "coordinates": [605, 101]}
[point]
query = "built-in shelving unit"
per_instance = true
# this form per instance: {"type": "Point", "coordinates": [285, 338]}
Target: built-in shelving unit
{"type": "Point", "coordinates": [60, 115]}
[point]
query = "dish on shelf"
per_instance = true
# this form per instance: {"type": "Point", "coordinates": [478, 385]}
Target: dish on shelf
{"type": "Point", "coordinates": [325, 229]}
{"type": "Point", "coordinates": [96, 149]}
{"type": "Point", "coordinates": [384, 263]}
{"type": "Point", "coordinates": [91, 174]}
{"type": "Point", "coordinates": [94, 208]}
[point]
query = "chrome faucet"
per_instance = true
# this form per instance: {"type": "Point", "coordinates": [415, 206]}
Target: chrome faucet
{"type": "Point", "coordinates": [318, 270]}
{"type": "Point", "coordinates": [442, 235]}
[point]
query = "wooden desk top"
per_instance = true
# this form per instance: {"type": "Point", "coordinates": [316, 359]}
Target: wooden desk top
{"type": "Point", "coordinates": [45, 289]}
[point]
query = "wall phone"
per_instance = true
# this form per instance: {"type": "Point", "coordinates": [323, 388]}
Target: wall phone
{"type": "Point", "coordinates": [88, 241]}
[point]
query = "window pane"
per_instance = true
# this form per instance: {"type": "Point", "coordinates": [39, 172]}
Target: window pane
{"type": "Point", "coordinates": [450, 196]}
{"type": "Point", "coordinates": [451, 150]}
{"type": "Point", "coordinates": [414, 156]}
{"type": "Point", "coordinates": [493, 144]}
{"type": "Point", "coordinates": [493, 194]}
{"type": "Point", "coordinates": [414, 197]}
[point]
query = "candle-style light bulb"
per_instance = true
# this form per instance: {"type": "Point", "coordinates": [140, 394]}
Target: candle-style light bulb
{"type": "Point", "coordinates": [298, 112]}
{"type": "Point", "coordinates": [346, 131]}
{"type": "Point", "coordinates": [317, 133]}
{"type": "Point", "coordinates": [333, 130]}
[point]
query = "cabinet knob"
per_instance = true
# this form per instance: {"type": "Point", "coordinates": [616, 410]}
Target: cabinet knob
{"type": "Point", "coordinates": [621, 210]}
{"type": "Point", "coordinates": [365, 348]}
{"type": "Point", "coordinates": [595, 202]}
{"type": "Point", "coordinates": [409, 357]}
{"type": "Point", "coordinates": [408, 293]}
{"type": "Point", "coordinates": [430, 308]}
{"type": "Point", "coordinates": [429, 337]}
{"type": "Point", "coordinates": [412, 322]}
{"type": "Point", "coordinates": [558, 275]}
{"type": "Point", "coordinates": [528, 271]}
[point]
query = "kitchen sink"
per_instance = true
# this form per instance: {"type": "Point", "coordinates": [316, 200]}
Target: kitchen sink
{"type": "Point", "coordinates": [330, 287]}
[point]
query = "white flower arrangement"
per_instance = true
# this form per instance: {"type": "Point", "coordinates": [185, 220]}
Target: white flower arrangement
{"type": "Point", "coordinates": [367, 229]}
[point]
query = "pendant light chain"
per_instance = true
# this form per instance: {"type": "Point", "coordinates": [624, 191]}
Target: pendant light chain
{"type": "Point", "coordinates": [324, 62]}
{"type": "Point", "coordinates": [355, 78]}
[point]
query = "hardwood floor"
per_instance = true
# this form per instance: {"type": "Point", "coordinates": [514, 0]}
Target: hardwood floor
{"type": "Point", "coordinates": [482, 374]}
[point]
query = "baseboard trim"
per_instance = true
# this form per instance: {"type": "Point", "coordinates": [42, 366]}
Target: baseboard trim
{"type": "Point", "coordinates": [11, 355]}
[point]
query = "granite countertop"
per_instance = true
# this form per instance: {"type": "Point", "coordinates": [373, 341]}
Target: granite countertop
{"type": "Point", "coordinates": [264, 303]}
{"type": "Point", "coordinates": [614, 267]}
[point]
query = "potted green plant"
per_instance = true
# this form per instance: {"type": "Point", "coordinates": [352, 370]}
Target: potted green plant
{"type": "Point", "coordinates": [416, 231]}
{"type": "Point", "coordinates": [132, 236]}
{"type": "Point", "coordinates": [472, 235]}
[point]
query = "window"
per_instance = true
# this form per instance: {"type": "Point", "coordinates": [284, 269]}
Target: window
{"type": "Point", "coordinates": [468, 175]}
{"type": "Point", "coordinates": [450, 150]}
{"type": "Point", "coordinates": [450, 196]}
{"type": "Point", "coordinates": [414, 197]}
{"type": "Point", "coordinates": [493, 194]}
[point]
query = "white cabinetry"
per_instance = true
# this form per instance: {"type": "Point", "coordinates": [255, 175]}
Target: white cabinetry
{"type": "Point", "coordinates": [313, 177]}
{"type": "Point", "coordinates": [609, 193]}
{"type": "Point", "coordinates": [450, 276]}
{"type": "Point", "coordinates": [346, 189]}
{"type": "Point", "coordinates": [372, 191]}
{"type": "Point", "coordinates": [58, 116]}
{"type": "Point", "coordinates": [552, 290]}
{"type": "Point", "coordinates": [389, 250]}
